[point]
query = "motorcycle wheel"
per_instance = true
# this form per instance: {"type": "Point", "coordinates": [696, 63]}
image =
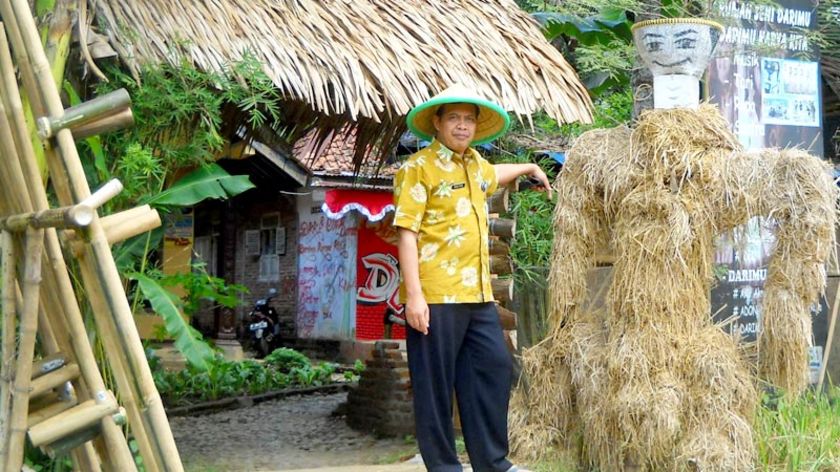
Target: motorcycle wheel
{"type": "Point", "coordinates": [264, 347]}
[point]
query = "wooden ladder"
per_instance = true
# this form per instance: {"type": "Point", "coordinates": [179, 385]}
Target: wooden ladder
{"type": "Point", "coordinates": [52, 390]}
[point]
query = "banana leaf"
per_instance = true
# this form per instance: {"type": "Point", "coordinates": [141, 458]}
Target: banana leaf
{"type": "Point", "coordinates": [210, 181]}
{"type": "Point", "coordinates": [187, 340]}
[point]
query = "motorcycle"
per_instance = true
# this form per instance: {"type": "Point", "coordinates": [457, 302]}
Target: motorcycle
{"type": "Point", "coordinates": [263, 325]}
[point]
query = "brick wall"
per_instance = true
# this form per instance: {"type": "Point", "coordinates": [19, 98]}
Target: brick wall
{"type": "Point", "coordinates": [249, 217]}
{"type": "Point", "coordinates": [382, 402]}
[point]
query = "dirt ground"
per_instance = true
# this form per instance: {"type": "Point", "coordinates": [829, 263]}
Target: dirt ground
{"type": "Point", "coordinates": [291, 433]}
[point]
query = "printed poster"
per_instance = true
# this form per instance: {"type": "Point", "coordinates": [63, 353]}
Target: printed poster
{"type": "Point", "coordinates": [765, 75]}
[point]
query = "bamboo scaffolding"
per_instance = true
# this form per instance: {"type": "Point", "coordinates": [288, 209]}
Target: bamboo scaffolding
{"type": "Point", "coordinates": [85, 113]}
{"type": "Point", "coordinates": [121, 226]}
{"type": "Point", "coordinates": [58, 293]}
{"type": "Point", "coordinates": [121, 120]}
{"type": "Point", "coordinates": [136, 386]}
{"type": "Point", "coordinates": [26, 348]}
{"type": "Point", "coordinates": [48, 364]}
{"type": "Point", "coordinates": [54, 379]}
{"type": "Point", "coordinates": [41, 414]}
{"type": "Point", "coordinates": [8, 343]}
{"type": "Point", "coordinates": [75, 419]}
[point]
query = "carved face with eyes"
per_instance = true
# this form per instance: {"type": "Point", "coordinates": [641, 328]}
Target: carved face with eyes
{"type": "Point", "coordinates": [679, 48]}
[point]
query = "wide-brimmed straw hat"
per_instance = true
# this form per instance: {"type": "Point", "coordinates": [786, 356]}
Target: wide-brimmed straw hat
{"type": "Point", "coordinates": [493, 120]}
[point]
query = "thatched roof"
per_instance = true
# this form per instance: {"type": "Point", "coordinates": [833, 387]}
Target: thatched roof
{"type": "Point", "coordinates": [363, 62]}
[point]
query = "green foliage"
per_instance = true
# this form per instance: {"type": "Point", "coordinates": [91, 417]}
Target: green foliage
{"type": "Point", "coordinates": [225, 378]}
{"type": "Point", "coordinates": [800, 434]}
{"type": "Point", "coordinates": [534, 231]}
{"type": "Point", "coordinates": [201, 286]}
{"type": "Point", "coordinates": [609, 111]}
{"type": "Point", "coordinates": [533, 211]}
{"type": "Point", "coordinates": [183, 117]}
{"type": "Point", "coordinates": [36, 460]}
{"type": "Point", "coordinates": [208, 181]}
{"type": "Point", "coordinates": [285, 359]}
{"type": "Point", "coordinates": [187, 339]}
{"type": "Point", "coordinates": [601, 45]}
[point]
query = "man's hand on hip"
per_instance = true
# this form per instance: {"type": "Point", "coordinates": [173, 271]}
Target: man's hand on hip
{"type": "Point", "coordinates": [417, 314]}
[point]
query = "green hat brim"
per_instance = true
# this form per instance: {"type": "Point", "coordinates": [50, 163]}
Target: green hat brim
{"type": "Point", "coordinates": [493, 120]}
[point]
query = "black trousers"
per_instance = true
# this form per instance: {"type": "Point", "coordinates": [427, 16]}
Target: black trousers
{"type": "Point", "coordinates": [465, 352]}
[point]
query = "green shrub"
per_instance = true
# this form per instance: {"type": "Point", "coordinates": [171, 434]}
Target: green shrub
{"type": "Point", "coordinates": [285, 359]}
{"type": "Point", "coordinates": [284, 368]}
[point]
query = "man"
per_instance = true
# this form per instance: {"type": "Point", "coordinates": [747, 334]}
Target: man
{"type": "Point", "coordinates": [455, 340]}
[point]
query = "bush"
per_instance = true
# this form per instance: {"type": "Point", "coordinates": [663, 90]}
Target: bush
{"type": "Point", "coordinates": [283, 368]}
{"type": "Point", "coordinates": [285, 359]}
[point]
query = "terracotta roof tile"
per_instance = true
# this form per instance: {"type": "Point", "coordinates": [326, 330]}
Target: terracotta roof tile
{"type": "Point", "coordinates": [334, 157]}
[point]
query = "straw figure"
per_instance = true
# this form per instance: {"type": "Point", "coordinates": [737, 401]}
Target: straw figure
{"type": "Point", "coordinates": [649, 382]}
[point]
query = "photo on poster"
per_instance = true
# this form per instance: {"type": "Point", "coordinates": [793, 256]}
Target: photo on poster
{"type": "Point", "coordinates": [789, 92]}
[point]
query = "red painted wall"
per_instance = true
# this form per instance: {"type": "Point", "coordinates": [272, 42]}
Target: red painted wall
{"type": "Point", "coordinates": [377, 286]}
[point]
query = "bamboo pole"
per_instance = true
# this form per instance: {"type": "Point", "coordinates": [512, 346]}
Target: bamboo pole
{"type": "Point", "coordinates": [120, 228]}
{"type": "Point", "coordinates": [54, 379]}
{"type": "Point", "coordinates": [148, 221]}
{"type": "Point", "coordinates": [507, 318]}
{"type": "Point", "coordinates": [123, 119]}
{"type": "Point", "coordinates": [26, 348]}
{"type": "Point", "coordinates": [59, 294]}
{"type": "Point", "coordinates": [118, 219]}
{"type": "Point", "coordinates": [99, 272]}
{"type": "Point", "coordinates": [75, 216]}
{"type": "Point", "coordinates": [51, 410]}
{"type": "Point", "coordinates": [48, 364]}
{"type": "Point", "coordinates": [85, 113]}
{"type": "Point", "coordinates": [61, 446]}
{"type": "Point", "coordinates": [75, 419]}
{"type": "Point", "coordinates": [8, 344]}
{"type": "Point", "coordinates": [501, 265]}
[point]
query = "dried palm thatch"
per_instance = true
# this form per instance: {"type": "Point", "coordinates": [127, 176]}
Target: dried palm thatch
{"type": "Point", "coordinates": [655, 386]}
{"type": "Point", "coordinates": [365, 62]}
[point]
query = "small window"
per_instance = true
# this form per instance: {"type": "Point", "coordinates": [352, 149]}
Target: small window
{"type": "Point", "coordinates": [269, 268]}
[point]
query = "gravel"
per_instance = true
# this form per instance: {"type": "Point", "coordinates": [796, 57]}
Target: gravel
{"type": "Point", "coordinates": [290, 433]}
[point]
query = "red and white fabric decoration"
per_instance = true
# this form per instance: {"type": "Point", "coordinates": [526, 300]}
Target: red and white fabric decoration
{"type": "Point", "coordinates": [373, 204]}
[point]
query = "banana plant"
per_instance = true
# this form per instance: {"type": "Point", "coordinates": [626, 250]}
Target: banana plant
{"type": "Point", "coordinates": [187, 340]}
{"type": "Point", "coordinates": [207, 182]}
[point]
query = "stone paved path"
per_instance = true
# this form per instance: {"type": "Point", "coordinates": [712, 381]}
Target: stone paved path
{"type": "Point", "coordinates": [286, 434]}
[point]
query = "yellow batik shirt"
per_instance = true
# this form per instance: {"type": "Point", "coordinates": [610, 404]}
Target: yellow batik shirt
{"type": "Point", "coordinates": [442, 196]}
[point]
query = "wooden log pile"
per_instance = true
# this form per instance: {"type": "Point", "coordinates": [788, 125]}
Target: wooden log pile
{"type": "Point", "coordinates": [502, 231]}
{"type": "Point", "coordinates": [52, 391]}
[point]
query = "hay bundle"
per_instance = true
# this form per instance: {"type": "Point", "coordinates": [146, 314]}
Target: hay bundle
{"type": "Point", "coordinates": [655, 385]}
{"type": "Point", "coordinates": [717, 446]}
{"type": "Point", "coordinates": [719, 379]}
{"type": "Point", "coordinates": [541, 417]}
